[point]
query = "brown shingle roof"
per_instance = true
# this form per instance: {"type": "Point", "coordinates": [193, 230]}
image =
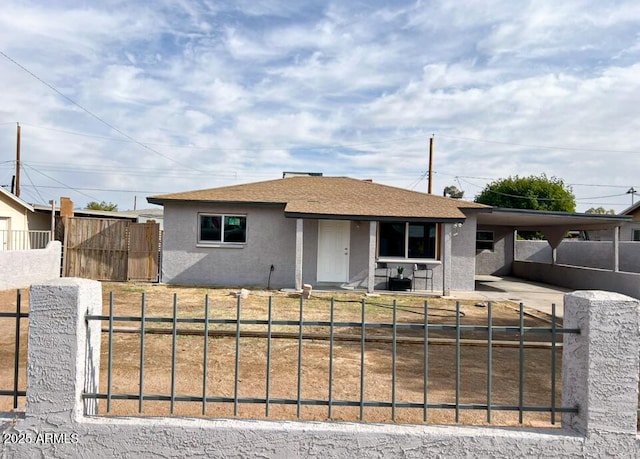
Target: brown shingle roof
{"type": "Point", "coordinates": [331, 196]}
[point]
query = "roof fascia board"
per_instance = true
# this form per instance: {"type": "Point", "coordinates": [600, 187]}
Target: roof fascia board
{"type": "Point", "coordinates": [163, 202]}
{"type": "Point", "coordinates": [376, 218]}
{"type": "Point", "coordinates": [558, 214]}
{"type": "Point", "coordinates": [17, 200]}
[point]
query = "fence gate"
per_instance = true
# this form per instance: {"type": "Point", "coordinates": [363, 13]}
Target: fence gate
{"type": "Point", "coordinates": [106, 249]}
{"type": "Point", "coordinates": [144, 240]}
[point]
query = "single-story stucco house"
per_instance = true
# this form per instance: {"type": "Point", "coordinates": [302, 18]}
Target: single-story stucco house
{"type": "Point", "coordinates": [318, 230]}
{"type": "Point", "coordinates": [629, 231]}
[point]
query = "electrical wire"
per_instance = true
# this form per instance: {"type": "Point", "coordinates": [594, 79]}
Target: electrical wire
{"type": "Point", "coordinates": [77, 190]}
{"type": "Point", "coordinates": [102, 189]}
{"type": "Point", "coordinates": [416, 182]}
{"type": "Point", "coordinates": [546, 147]}
{"type": "Point", "coordinates": [26, 172]}
{"type": "Point", "coordinates": [194, 147]}
{"type": "Point", "coordinates": [87, 111]}
{"type": "Point", "coordinates": [542, 199]}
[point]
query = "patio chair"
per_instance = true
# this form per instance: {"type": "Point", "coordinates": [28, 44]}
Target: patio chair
{"type": "Point", "coordinates": [382, 270]}
{"type": "Point", "coordinates": [422, 271]}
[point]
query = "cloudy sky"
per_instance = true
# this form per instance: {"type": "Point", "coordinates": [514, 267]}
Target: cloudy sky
{"type": "Point", "coordinates": [125, 99]}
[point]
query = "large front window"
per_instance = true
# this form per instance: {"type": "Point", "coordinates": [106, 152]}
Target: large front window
{"type": "Point", "coordinates": [407, 240]}
{"type": "Point", "coordinates": [222, 228]}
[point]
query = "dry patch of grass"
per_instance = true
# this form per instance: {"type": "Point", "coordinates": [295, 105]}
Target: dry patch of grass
{"type": "Point", "coordinates": [378, 360]}
{"type": "Point", "coordinates": [252, 369]}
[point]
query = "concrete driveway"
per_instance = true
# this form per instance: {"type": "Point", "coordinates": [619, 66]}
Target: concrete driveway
{"type": "Point", "coordinates": [532, 294]}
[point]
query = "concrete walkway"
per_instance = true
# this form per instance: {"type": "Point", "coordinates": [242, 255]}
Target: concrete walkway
{"type": "Point", "coordinates": [533, 295]}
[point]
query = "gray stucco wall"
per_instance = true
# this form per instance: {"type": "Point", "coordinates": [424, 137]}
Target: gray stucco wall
{"type": "Point", "coordinates": [359, 254]}
{"type": "Point", "coordinates": [498, 261]}
{"type": "Point", "coordinates": [538, 251]}
{"type": "Point", "coordinates": [21, 268]}
{"type": "Point", "coordinates": [270, 241]}
{"type": "Point", "coordinates": [591, 254]}
{"type": "Point", "coordinates": [463, 251]}
{"type": "Point", "coordinates": [579, 278]}
{"type": "Point", "coordinates": [310, 252]}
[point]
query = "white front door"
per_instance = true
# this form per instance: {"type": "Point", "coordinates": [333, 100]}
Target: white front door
{"type": "Point", "coordinates": [333, 250]}
{"type": "Point", "coordinates": [4, 234]}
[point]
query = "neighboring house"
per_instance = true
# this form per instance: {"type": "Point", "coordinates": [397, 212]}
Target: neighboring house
{"type": "Point", "coordinates": [144, 215]}
{"type": "Point", "coordinates": [28, 226]}
{"type": "Point", "coordinates": [316, 230]}
{"type": "Point", "coordinates": [629, 231]}
{"type": "Point", "coordinates": [14, 219]}
{"type": "Point", "coordinates": [41, 219]}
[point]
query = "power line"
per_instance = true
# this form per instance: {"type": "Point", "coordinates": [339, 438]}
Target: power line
{"type": "Point", "coordinates": [547, 147]}
{"type": "Point", "coordinates": [542, 199]}
{"type": "Point", "coordinates": [417, 181]}
{"type": "Point", "coordinates": [87, 111]}
{"type": "Point", "coordinates": [195, 147]}
{"type": "Point", "coordinates": [26, 172]}
{"type": "Point", "coordinates": [101, 189]}
{"type": "Point", "coordinates": [61, 183]}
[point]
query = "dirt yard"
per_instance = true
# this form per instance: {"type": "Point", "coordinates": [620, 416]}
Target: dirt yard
{"type": "Point", "coordinates": [315, 357]}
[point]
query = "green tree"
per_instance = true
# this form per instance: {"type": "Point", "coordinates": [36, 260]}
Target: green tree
{"type": "Point", "coordinates": [600, 211]}
{"type": "Point", "coordinates": [533, 192]}
{"type": "Point", "coordinates": [102, 205]}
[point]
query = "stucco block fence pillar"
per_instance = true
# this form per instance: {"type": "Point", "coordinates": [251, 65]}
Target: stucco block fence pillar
{"type": "Point", "coordinates": [600, 371]}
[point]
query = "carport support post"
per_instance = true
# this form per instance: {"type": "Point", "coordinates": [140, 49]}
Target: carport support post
{"type": "Point", "coordinates": [554, 238]}
{"type": "Point", "coordinates": [371, 279]}
{"type": "Point", "coordinates": [299, 243]}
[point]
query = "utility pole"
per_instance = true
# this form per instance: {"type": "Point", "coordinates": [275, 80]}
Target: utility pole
{"type": "Point", "coordinates": [429, 189]}
{"type": "Point", "coordinates": [632, 192]}
{"type": "Point", "coordinates": [18, 162]}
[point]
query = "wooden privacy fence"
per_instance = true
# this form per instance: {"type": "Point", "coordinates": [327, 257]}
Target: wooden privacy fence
{"type": "Point", "coordinates": [106, 249]}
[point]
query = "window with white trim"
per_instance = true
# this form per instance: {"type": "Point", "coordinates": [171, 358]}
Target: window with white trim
{"type": "Point", "coordinates": [222, 229]}
{"type": "Point", "coordinates": [408, 240]}
{"type": "Point", "coordinates": [636, 235]}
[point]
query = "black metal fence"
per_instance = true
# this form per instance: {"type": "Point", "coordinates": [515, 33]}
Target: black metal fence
{"type": "Point", "coordinates": [207, 331]}
{"type": "Point", "coordinates": [11, 378]}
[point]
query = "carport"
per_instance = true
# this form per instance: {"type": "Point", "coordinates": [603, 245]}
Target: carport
{"type": "Point", "coordinates": [554, 226]}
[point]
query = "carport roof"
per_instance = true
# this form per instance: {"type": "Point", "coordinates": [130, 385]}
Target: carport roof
{"type": "Point", "coordinates": [534, 220]}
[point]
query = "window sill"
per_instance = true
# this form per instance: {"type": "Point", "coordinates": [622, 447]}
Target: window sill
{"type": "Point", "coordinates": [428, 261]}
{"type": "Point", "coordinates": [221, 245]}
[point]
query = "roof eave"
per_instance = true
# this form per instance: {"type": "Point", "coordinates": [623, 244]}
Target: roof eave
{"type": "Point", "coordinates": [17, 200]}
{"type": "Point", "coordinates": [378, 218]}
{"type": "Point", "coordinates": [162, 202]}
